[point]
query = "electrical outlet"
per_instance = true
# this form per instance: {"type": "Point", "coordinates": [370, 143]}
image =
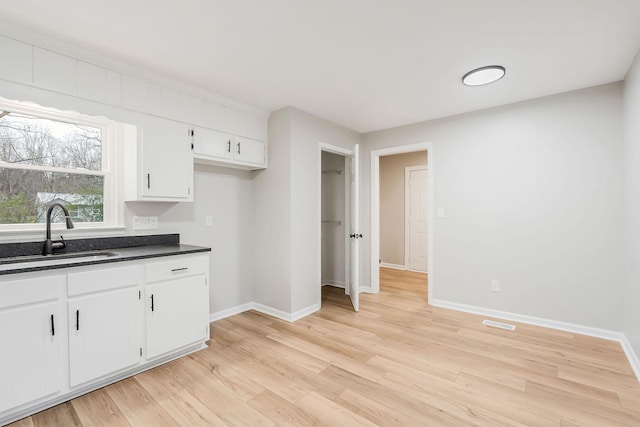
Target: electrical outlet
{"type": "Point", "coordinates": [153, 223]}
{"type": "Point", "coordinates": [208, 220]}
{"type": "Point", "coordinates": [495, 286]}
{"type": "Point", "coordinates": [140, 222]}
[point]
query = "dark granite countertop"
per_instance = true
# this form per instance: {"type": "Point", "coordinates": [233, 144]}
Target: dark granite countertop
{"type": "Point", "coordinates": [102, 251]}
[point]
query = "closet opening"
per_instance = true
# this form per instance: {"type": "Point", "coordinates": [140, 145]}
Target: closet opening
{"type": "Point", "coordinates": [338, 215]}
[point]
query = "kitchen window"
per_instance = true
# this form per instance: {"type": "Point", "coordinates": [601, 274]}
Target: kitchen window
{"type": "Point", "coordinates": [47, 154]}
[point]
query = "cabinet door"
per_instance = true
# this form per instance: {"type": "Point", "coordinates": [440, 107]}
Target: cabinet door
{"type": "Point", "coordinates": [105, 334]}
{"type": "Point", "coordinates": [209, 142]}
{"type": "Point", "coordinates": [249, 150]}
{"type": "Point", "coordinates": [32, 340]}
{"type": "Point", "coordinates": [176, 314]}
{"type": "Point", "coordinates": [167, 163]}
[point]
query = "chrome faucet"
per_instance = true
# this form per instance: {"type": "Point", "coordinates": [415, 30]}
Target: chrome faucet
{"type": "Point", "coordinates": [51, 245]}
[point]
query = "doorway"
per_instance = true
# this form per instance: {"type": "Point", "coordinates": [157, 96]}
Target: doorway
{"type": "Point", "coordinates": [395, 257]}
{"type": "Point", "coordinates": [339, 238]}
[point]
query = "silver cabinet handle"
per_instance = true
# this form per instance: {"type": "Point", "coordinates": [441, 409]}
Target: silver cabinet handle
{"type": "Point", "coordinates": [175, 270]}
{"type": "Point", "coordinates": [238, 148]}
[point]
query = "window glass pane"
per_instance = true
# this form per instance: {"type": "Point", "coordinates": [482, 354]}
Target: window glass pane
{"type": "Point", "coordinates": [44, 142]}
{"type": "Point", "coordinates": [26, 194]}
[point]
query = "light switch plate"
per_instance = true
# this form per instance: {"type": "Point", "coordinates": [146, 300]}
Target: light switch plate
{"type": "Point", "coordinates": [208, 220]}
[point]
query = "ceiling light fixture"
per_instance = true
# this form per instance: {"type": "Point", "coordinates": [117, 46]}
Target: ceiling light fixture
{"type": "Point", "coordinates": [483, 75]}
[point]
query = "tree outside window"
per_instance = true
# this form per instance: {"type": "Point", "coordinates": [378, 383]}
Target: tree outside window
{"type": "Point", "coordinates": [42, 159]}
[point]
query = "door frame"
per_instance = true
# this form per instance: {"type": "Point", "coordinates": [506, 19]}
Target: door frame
{"type": "Point", "coordinates": [346, 153]}
{"type": "Point", "coordinates": [407, 210]}
{"type": "Point", "coordinates": [375, 210]}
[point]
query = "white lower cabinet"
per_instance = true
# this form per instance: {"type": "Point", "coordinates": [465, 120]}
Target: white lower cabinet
{"type": "Point", "coordinates": [33, 337]}
{"type": "Point", "coordinates": [177, 299]}
{"type": "Point", "coordinates": [105, 322]}
{"type": "Point", "coordinates": [85, 327]}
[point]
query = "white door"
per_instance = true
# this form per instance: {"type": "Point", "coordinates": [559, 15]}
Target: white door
{"type": "Point", "coordinates": [176, 314]}
{"type": "Point", "coordinates": [30, 361]}
{"type": "Point", "coordinates": [166, 158]}
{"type": "Point", "coordinates": [105, 334]}
{"type": "Point", "coordinates": [416, 218]}
{"type": "Point", "coordinates": [212, 143]}
{"type": "Point", "coordinates": [249, 150]}
{"type": "Point", "coordinates": [354, 231]}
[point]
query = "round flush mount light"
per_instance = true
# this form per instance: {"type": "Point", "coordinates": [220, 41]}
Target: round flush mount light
{"type": "Point", "coordinates": [483, 75]}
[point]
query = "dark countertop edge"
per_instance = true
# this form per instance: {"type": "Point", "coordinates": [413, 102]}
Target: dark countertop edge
{"type": "Point", "coordinates": [180, 250]}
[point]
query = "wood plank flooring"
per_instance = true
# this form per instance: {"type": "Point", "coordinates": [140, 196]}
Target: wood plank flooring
{"type": "Point", "coordinates": [398, 362]}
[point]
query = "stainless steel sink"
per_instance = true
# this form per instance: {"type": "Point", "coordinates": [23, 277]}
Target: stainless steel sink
{"type": "Point", "coordinates": [30, 261]}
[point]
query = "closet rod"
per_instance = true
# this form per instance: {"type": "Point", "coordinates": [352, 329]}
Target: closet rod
{"type": "Point", "coordinates": [337, 222]}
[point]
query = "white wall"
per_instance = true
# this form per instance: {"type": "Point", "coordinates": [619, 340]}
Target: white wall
{"type": "Point", "coordinates": [287, 210]}
{"type": "Point", "coordinates": [533, 198]}
{"type": "Point", "coordinates": [30, 70]}
{"type": "Point", "coordinates": [272, 219]}
{"type": "Point", "coordinates": [333, 253]}
{"type": "Point", "coordinates": [392, 203]}
{"type": "Point", "coordinates": [226, 195]}
{"type": "Point", "coordinates": [632, 204]}
{"type": "Point", "coordinates": [307, 131]}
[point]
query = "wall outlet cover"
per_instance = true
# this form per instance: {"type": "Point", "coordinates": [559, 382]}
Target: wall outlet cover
{"type": "Point", "coordinates": [140, 222]}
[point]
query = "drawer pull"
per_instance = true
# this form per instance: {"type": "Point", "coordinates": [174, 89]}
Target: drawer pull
{"type": "Point", "coordinates": [152, 304]}
{"type": "Point", "coordinates": [175, 270]}
{"type": "Point", "coordinates": [53, 327]}
{"type": "Point", "coordinates": [77, 320]}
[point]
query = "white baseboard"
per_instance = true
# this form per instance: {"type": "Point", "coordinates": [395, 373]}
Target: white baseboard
{"type": "Point", "coordinates": [366, 290]}
{"type": "Point", "coordinates": [334, 283]}
{"type": "Point", "coordinates": [283, 315]}
{"type": "Point", "coordinates": [230, 311]}
{"type": "Point", "coordinates": [394, 266]}
{"type": "Point", "coordinates": [634, 361]}
{"type": "Point", "coordinates": [530, 320]}
{"type": "Point", "coordinates": [552, 324]}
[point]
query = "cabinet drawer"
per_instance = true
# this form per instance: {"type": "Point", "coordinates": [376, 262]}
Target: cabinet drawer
{"type": "Point", "coordinates": [20, 292]}
{"type": "Point", "coordinates": [86, 282]}
{"type": "Point", "coordinates": [176, 267]}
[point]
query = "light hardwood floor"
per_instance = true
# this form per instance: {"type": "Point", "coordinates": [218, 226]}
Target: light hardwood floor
{"type": "Point", "coordinates": [396, 362]}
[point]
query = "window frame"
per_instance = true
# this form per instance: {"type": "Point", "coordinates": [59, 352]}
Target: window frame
{"type": "Point", "coordinates": [112, 141]}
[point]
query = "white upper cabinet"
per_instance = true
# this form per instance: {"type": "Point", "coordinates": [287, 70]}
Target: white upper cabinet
{"type": "Point", "coordinates": [249, 150]}
{"type": "Point", "coordinates": [211, 143]}
{"type": "Point", "coordinates": [160, 166]}
{"type": "Point", "coordinates": [224, 149]}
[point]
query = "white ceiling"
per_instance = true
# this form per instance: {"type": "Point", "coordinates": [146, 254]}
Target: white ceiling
{"type": "Point", "coordinates": [364, 64]}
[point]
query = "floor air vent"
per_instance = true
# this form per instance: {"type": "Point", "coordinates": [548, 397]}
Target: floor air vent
{"type": "Point", "coordinates": [499, 325]}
